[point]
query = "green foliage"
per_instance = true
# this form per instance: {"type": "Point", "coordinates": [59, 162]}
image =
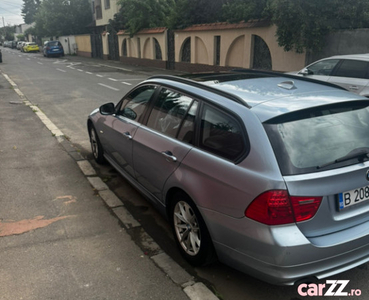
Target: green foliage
{"type": "Point", "coordinates": [29, 10]}
{"type": "Point", "coordinates": [303, 25]}
{"type": "Point", "coordinates": [243, 10]}
{"type": "Point", "coordinates": [138, 14]}
{"type": "Point", "coordinates": [189, 12]}
{"type": "Point", "coordinates": [62, 17]}
{"type": "Point", "coordinates": [21, 37]}
{"type": "Point", "coordinates": [8, 32]}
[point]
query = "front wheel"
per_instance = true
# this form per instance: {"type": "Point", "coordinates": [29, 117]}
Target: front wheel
{"type": "Point", "coordinates": [96, 147]}
{"type": "Point", "coordinates": [190, 232]}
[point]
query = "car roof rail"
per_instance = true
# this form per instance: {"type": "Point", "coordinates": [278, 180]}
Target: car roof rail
{"type": "Point", "coordinates": [280, 74]}
{"type": "Point", "coordinates": [204, 87]}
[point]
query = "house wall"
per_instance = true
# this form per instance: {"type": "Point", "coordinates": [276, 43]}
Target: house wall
{"type": "Point", "coordinates": [107, 13]}
{"type": "Point", "coordinates": [83, 45]}
{"type": "Point", "coordinates": [236, 48]}
{"type": "Point", "coordinates": [69, 44]}
{"type": "Point", "coordinates": [141, 49]}
{"type": "Point", "coordinates": [343, 42]}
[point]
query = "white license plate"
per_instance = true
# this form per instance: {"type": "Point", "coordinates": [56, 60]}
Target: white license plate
{"type": "Point", "coordinates": [353, 197]}
{"type": "Point", "coordinates": [55, 49]}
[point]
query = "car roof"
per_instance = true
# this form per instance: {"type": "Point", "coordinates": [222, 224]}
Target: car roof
{"type": "Point", "coordinates": [268, 94]}
{"type": "Point", "coordinates": [364, 56]}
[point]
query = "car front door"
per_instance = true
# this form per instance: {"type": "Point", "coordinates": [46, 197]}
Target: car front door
{"type": "Point", "coordinates": [120, 128]}
{"type": "Point", "coordinates": [160, 146]}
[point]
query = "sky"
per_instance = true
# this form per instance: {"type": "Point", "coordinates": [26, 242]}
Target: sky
{"type": "Point", "coordinates": [10, 10]}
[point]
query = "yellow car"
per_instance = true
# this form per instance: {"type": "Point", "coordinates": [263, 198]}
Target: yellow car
{"type": "Point", "coordinates": [31, 47]}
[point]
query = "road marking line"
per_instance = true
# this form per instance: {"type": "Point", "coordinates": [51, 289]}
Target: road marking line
{"type": "Point", "coordinates": [108, 86]}
{"type": "Point", "coordinates": [115, 67]}
{"type": "Point", "coordinates": [40, 63]}
{"type": "Point", "coordinates": [61, 70]}
{"type": "Point", "coordinates": [112, 79]}
{"type": "Point", "coordinates": [88, 73]}
{"type": "Point", "coordinates": [126, 83]}
{"type": "Point", "coordinates": [98, 75]}
{"type": "Point", "coordinates": [80, 70]}
{"type": "Point", "coordinates": [71, 67]}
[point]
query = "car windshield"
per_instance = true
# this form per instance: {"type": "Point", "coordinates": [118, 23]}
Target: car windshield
{"type": "Point", "coordinates": [320, 138]}
{"type": "Point", "coordinates": [32, 44]}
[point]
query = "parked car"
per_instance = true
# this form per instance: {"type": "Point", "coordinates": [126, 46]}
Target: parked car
{"type": "Point", "coordinates": [267, 172]}
{"type": "Point", "coordinates": [31, 47]}
{"type": "Point", "coordinates": [19, 45]}
{"type": "Point", "coordinates": [348, 71]}
{"type": "Point", "coordinates": [53, 48]}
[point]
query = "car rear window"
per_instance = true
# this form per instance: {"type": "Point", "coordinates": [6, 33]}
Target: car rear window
{"type": "Point", "coordinates": [312, 140]}
{"type": "Point", "coordinates": [56, 43]}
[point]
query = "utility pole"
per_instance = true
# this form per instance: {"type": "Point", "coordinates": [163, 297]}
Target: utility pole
{"type": "Point", "coordinates": [4, 28]}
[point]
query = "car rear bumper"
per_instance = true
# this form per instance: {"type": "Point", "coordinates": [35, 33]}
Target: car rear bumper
{"type": "Point", "coordinates": [280, 255]}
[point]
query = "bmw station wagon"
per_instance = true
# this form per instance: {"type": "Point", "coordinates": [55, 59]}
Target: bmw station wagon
{"type": "Point", "coordinates": [266, 172]}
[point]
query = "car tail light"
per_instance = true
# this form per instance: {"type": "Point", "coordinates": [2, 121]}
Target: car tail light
{"type": "Point", "coordinates": [47, 48]}
{"type": "Point", "coordinates": [277, 207]}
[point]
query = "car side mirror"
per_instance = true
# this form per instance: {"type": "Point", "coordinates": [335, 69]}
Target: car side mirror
{"type": "Point", "coordinates": [107, 109]}
{"type": "Point", "coordinates": [306, 72]}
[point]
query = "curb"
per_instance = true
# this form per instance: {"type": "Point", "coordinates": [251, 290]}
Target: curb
{"type": "Point", "coordinates": [194, 290]}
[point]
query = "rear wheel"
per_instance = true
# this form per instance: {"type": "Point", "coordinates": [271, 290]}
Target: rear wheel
{"type": "Point", "coordinates": [96, 147]}
{"type": "Point", "coordinates": [190, 232]}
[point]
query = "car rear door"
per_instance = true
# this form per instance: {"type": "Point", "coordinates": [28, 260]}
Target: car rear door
{"type": "Point", "coordinates": [352, 75]}
{"type": "Point", "coordinates": [160, 146]}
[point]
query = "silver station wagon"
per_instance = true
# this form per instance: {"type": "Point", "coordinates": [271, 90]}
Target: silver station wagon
{"type": "Point", "coordinates": [266, 172]}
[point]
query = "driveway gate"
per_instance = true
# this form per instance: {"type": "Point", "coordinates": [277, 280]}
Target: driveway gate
{"type": "Point", "coordinates": [113, 46]}
{"type": "Point", "coordinates": [96, 45]}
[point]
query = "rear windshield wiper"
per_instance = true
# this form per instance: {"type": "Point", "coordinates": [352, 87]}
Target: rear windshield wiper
{"type": "Point", "coordinates": [360, 153]}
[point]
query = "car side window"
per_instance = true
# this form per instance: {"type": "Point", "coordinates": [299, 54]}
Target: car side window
{"type": "Point", "coordinates": [221, 134]}
{"type": "Point", "coordinates": [353, 68]}
{"type": "Point", "coordinates": [168, 112]}
{"type": "Point", "coordinates": [186, 133]}
{"type": "Point", "coordinates": [324, 67]}
{"type": "Point", "coordinates": [134, 104]}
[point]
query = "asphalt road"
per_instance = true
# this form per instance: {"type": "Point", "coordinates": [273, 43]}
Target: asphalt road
{"type": "Point", "coordinates": [67, 90]}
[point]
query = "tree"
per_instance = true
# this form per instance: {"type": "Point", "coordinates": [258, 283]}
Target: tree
{"type": "Point", "coordinates": [189, 12]}
{"type": "Point", "coordinates": [243, 10]}
{"type": "Point", "coordinates": [29, 10]}
{"type": "Point", "coordinates": [138, 14]}
{"type": "Point", "coordinates": [304, 24]}
{"type": "Point", "coordinates": [62, 17]}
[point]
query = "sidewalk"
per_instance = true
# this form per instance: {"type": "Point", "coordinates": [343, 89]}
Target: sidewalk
{"type": "Point", "coordinates": [58, 238]}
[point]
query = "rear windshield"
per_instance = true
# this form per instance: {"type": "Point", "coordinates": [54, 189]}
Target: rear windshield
{"type": "Point", "coordinates": [56, 43]}
{"type": "Point", "coordinates": [321, 138]}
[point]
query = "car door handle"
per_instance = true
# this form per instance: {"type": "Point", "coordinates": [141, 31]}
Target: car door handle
{"type": "Point", "coordinates": [169, 156]}
{"type": "Point", "coordinates": [127, 135]}
{"type": "Point", "coordinates": [353, 87]}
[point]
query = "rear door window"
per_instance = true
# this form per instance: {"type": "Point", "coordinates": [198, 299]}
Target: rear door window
{"type": "Point", "coordinates": [221, 134]}
{"type": "Point", "coordinates": [352, 68]}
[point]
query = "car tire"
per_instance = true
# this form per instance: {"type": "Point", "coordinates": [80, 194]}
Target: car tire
{"type": "Point", "coordinates": [190, 232]}
{"type": "Point", "coordinates": [96, 147]}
